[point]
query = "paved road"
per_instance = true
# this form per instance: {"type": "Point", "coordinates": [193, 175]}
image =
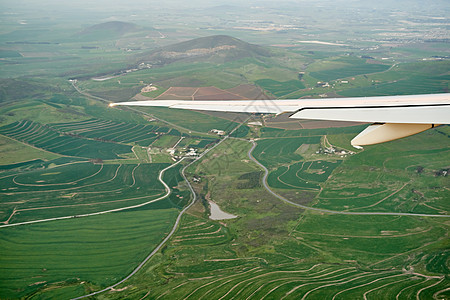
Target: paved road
{"type": "Point", "coordinates": [177, 222]}
{"type": "Point", "coordinates": [174, 228]}
{"type": "Point", "coordinates": [266, 186]}
{"type": "Point", "coordinates": [168, 192]}
{"type": "Point", "coordinates": [134, 110]}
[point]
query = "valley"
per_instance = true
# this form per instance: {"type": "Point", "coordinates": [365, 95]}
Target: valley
{"type": "Point", "coordinates": [116, 202]}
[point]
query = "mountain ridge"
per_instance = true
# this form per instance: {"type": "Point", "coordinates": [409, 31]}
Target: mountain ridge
{"type": "Point", "coordinates": [215, 48]}
{"type": "Point", "coordinates": [112, 27]}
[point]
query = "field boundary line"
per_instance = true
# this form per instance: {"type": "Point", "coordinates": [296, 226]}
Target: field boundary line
{"type": "Point", "coordinates": [175, 227]}
{"type": "Point", "coordinates": [168, 192]}
{"type": "Point", "coordinates": [177, 221]}
{"type": "Point", "coordinates": [29, 145]}
{"type": "Point", "coordinates": [135, 110]}
{"type": "Point", "coordinates": [322, 210]}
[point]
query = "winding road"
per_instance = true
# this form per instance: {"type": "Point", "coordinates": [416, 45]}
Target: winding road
{"type": "Point", "coordinates": [168, 192]}
{"type": "Point", "coordinates": [174, 228]}
{"type": "Point", "coordinates": [194, 198]}
{"type": "Point", "coordinates": [266, 186]}
{"type": "Point", "coordinates": [177, 222]}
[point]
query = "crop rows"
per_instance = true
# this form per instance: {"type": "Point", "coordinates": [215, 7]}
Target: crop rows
{"type": "Point", "coordinates": [115, 131]}
{"type": "Point", "coordinates": [271, 152]}
{"type": "Point", "coordinates": [78, 188]}
{"type": "Point", "coordinates": [80, 251]}
{"type": "Point", "coordinates": [201, 232]}
{"type": "Point", "coordinates": [302, 175]}
{"type": "Point", "coordinates": [47, 138]}
{"type": "Point", "coordinates": [320, 281]}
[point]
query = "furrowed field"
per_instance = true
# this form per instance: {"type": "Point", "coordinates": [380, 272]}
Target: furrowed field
{"type": "Point", "coordinates": [48, 139]}
{"type": "Point", "coordinates": [80, 254]}
{"type": "Point", "coordinates": [414, 183]}
{"type": "Point", "coordinates": [283, 252]}
{"type": "Point", "coordinates": [302, 175]}
{"type": "Point", "coordinates": [77, 188]}
{"type": "Point", "coordinates": [67, 160]}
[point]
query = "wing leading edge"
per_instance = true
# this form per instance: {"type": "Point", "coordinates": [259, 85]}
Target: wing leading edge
{"type": "Point", "coordinates": [395, 116]}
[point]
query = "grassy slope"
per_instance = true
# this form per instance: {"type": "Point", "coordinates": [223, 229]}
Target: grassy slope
{"type": "Point", "coordinates": [392, 168]}
{"type": "Point", "coordinates": [77, 189]}
{"type": "Point", "coordinates": [270, 237]}
{"type": "Point", "coordinates": [11, 151]}
{"type": "Point", "coordinates": [98, 250]}
{"type": "Point", "coordinates": [190, 119]}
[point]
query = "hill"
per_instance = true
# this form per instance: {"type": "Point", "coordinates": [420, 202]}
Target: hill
{"type": "Point", "coordinates": [113, 28]}
{"type": "Point", "coordinates": [216, 48]}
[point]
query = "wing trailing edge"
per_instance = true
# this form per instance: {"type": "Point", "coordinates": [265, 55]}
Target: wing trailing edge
{"type": "Point", "coordinates": [396, 116]}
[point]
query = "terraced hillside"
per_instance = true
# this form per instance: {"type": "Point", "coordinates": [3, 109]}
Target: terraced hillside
{"type": "Point", "coordinates": [84, 201]}
{"type": "Point", "coordinates": [122, 132]}
{"type": "Point", "coordinates": [47, 138]}
{"type": "Point", "coordinates": [77, 188]}
{"type": "Point", "coordinates": [247, 279]}
{"type": "Point", "coordinates": [302, 175]}
{"type": "Point", "coordinates": [281, 251]}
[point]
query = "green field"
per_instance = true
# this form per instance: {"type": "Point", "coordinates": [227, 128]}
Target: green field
{"type": "Point", "coordinates": [77, 188]}
{"type": "Point", "coordinates": [343, 68]}
{"type": "Point", "coordinates": [280, 88]}
{"type": "Point", "coordinates": [403, 188]}
{"type": "Point", "coordinates": [113, 131]}
{"type": "Point", "coordinates": [88, 253]}
{"type": "Point", "coordinates": [282, 251]}
{"type": "Point", "coordinates": [272, 152]}
{"type": "Point", "coordinates": [267, 132]}
{"type": "Point", "coordinates": [10, 150]}
{"type": "Point", "coordinates": [42, 136]}
{"type": "Point", "coordinates": [413, 78]}
{"type": "Point", "coordinates": [65, 154]}
{"type": "Point", "coordinates": [191, 120]}
{"type": "Point", "coordinates": [302, 175]}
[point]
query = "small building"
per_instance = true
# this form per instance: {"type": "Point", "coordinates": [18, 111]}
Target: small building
{"type": "Point", "coordinates": [218, 132]}
{"type": "Point", "coordinates": [192, 152]}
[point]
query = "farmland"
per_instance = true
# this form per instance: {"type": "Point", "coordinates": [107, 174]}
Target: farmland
{"type": "Point", "coordinates": [343, 68]}
{"type": "Point", "coordinates": [408, 185]}
{"type": "Point", "coordinates": [48, 139]}
{"type": "Point", "coordinates": [310, 254]}
{"type": "Point", "coordinates": [77, 188]}
{"type": "Point", "coordinates": [203, 123]}
{"type": "Point", "coordinates": [113, 131]}
{"type": "Point", "coordinates": [11, 149]}
{"type": "Point", "coordinates": [62, 253]}
{"type": "Point", "coordinates": [278, 151]}
{"type": "Point", "coordinates": [305, 175]}
{"type": "Point", "coordinates": [84, 200]}
{"type": "Point", "coordinates": [271, 250]}
{"type": "Point", "coordinates": [280, 88]}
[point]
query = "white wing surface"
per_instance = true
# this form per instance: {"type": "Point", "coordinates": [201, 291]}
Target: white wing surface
{"type": "Point", "coordinates": [396, 116]}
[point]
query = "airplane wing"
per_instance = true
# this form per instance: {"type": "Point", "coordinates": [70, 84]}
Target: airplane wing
{"type": "Point", "coordinates": [394, 116]}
